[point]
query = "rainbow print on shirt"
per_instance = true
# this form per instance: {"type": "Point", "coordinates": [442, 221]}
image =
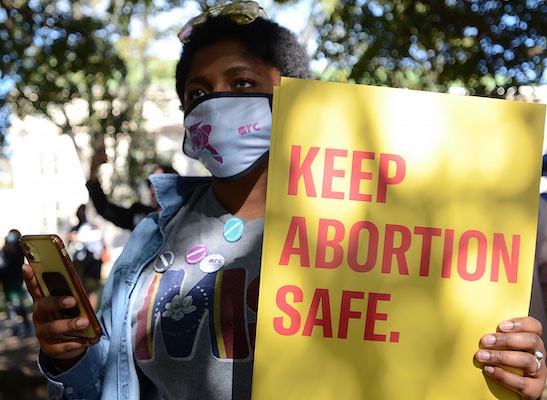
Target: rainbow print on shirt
{"type": "Point", "coordinates": [220, 296]}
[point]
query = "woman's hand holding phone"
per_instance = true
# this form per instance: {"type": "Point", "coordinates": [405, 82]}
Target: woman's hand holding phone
{"type": "Point", "coordinates": [56, 335]}
{"type": "Point", "coordinates": [64, 320]}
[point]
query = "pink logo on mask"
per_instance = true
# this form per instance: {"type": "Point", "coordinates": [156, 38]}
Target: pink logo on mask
{"type": "Point", "coordinates": [248, 129]}
{"type": "Point", "coordinates": [199, 135]}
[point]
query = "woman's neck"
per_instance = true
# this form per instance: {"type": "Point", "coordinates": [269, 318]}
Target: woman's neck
{"type": "Point", "coordinates": [246, 197]}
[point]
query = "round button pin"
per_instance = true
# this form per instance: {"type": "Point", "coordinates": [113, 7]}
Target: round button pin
{"type": "Point", "coordinates": [233, 229]}
{"type": "Point", "coordinates": [164, 261]}
{"type": "Point", "coordinates": [211, 263]}
{"type": "Point", "coordinates": [196, 254]}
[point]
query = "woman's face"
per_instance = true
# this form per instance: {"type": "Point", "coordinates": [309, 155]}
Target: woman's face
{"type": "Point", "coordinates": [226, 66]}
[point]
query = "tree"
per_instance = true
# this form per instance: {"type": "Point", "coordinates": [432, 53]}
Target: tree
{"type": "Point", "coordinates": [55, 55]}
{"type": "Point", "coordinates": [485, 46]}
{"type": "Point", "coordinates": [60, 56]}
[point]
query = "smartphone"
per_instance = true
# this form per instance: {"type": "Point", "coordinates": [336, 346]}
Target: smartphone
{"type": "Point", "coordinates": [57, 276]}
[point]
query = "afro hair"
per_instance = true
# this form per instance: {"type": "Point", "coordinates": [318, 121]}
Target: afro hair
{"type": "Point", "coordinates": [273, 44]}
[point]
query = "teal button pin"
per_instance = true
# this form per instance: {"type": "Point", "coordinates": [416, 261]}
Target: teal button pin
{"type": "Point", "coordinates": [233, 229]}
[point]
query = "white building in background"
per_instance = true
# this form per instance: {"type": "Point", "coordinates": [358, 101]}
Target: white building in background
{"type": "Point", "coordinates": [48, 183]}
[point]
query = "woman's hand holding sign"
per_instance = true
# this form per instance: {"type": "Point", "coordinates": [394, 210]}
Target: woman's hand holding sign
{"type": "Point", "coordinates": [517, 345]}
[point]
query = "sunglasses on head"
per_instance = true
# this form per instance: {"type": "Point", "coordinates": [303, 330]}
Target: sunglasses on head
{"type": "Point", "coordinates": [240, 12]}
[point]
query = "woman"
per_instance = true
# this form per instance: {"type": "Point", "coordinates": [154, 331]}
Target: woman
{"type": "Point", "coordinates": [179, 307]}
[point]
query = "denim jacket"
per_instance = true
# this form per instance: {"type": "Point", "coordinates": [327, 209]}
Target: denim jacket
{"type": "Point", "coordinates": [107, 370]}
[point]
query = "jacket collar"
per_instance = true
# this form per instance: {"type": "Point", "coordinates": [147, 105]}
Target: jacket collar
{"type": "Point", "coordinates": [173, 190]}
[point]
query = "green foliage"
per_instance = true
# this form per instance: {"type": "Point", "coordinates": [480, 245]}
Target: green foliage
{"type": "Point", "coordinates": [162, 72]}
{"type": "Point", "coordinates": [55, 56]}
{"type": "Point", "coordinates": [58, 54]}
{"type": "Point", "coordinates": [485, 45]}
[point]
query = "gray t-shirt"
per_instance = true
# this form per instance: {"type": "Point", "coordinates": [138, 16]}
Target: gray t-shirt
{"type": "Point", "coordinates": [194, 321]}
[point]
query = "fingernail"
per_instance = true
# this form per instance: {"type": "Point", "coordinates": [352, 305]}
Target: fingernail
{"type": "Point", "coordinates": [488, 340]}
{"type": "Point", "coordinates": [483, 355]}
{"type": "Point", "coordinates": [69, 301]}
{"type": "Point", "coordinates": [507, 325]}
{"type": "Point", "coordinates": [488, 369]}
{"type": "Point", "coordinates": [80, 322]}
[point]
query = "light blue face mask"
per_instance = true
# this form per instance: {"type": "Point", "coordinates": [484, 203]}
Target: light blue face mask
{"type": "Point", "coordinates": [229, 132]}
{"type": "Point", "coordinates": [12, 238]}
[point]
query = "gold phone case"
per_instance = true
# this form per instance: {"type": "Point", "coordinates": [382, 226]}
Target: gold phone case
{"type": "Point", "coordinates": [56, 276]}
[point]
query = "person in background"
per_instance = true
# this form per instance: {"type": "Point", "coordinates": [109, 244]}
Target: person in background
{"type": "Point", "coordinates": [11, 274]}
{"type": "Point", "coordinates": [125, 218]}
{"type": "Point", "coordinates": [176, 327]}
{"type": "Point", "coordinates": [87, 247]}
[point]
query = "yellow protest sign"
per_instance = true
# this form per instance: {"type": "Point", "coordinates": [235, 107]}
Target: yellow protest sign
{"type": "Point", "coordinates": [400, 228]}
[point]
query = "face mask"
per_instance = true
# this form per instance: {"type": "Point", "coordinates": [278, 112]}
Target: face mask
{"type": "Point", "coordinates": [12, 238]}
{"type": "Point", "coordinates": [229, 132]}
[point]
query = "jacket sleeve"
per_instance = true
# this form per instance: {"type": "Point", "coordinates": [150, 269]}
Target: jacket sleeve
{"type": "Point", "coordinates": [125, 218]}
{"type": "Point", "coordinates": [83, 381]}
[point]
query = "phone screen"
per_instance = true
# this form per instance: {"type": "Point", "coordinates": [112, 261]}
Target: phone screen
{"type": "Point", "coordinates": [58, 286]}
